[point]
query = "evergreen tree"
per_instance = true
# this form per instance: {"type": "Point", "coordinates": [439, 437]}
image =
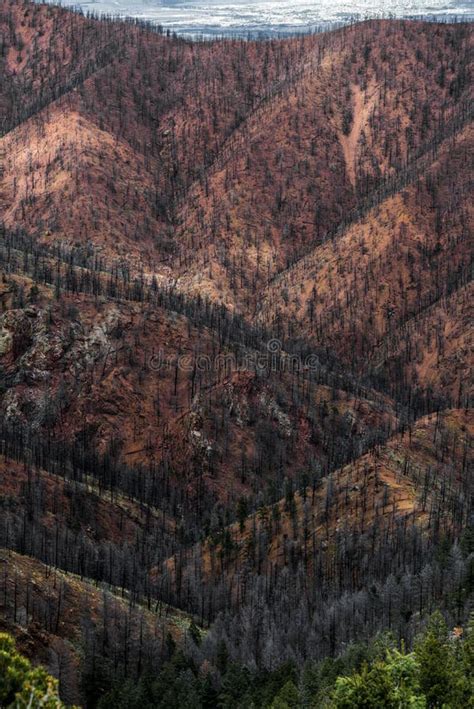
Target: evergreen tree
{"type": "Point", "coordinates": [392, 684]}
{"type": "Point", "coordinates": [440, 675]}
{"type": "Point", "coordinates": [287, 697]}
{"type": "Point", "coordinates": [21, 685]}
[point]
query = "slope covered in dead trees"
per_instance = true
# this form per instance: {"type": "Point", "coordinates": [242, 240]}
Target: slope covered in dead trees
{"type": "Point", "coordinates": [235, 346]}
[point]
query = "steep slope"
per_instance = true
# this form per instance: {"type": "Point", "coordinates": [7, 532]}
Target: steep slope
{"type": "Point", "coordinates": [276, 141]}
{"type": "Point", "coordinates": [433, 350]}
{"type": "Point", "coordinates": [338, 557]}
{"type": "Point", "coordinates": [46, 53]}
{"type": "Point", "coordinates": [356, 291]}
{"type": "Point", "coordinates": [148, 387]}
{"type": "Point", "coordinates": [364, 107]}
{"type": "Point", "coordinates": [65, 513]}
{"type": "Point", "coordinates": [146, 104]}
{"type": "Point", "coordinates": [58, 618]}
{"type": "Point", "coordinates": [54, 164]}
{"type": "Point", "coordinates": [235, 277]}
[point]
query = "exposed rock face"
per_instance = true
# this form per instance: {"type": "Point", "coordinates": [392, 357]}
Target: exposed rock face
{"type": "Point", "coordinates": [6, 341]}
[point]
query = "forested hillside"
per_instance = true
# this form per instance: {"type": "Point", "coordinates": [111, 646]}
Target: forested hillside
{"type": "Point", "coordinates": [236, 434]}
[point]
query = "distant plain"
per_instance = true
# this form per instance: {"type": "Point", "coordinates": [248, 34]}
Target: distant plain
{"type": "Point", "coordinates": [221, 17]}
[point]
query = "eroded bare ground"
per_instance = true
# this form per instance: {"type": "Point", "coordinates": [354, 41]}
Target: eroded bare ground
{"type": "Point", "coordinates": [362, 103]}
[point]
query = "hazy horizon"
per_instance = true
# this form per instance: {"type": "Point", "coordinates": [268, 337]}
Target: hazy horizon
{"type": "Point", "coordinates": [268, 16]}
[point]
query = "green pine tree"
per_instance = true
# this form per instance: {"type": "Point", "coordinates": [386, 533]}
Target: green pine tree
{"type": "Point", "coordinates": [440, 674]}
{"type": "Point", "coordinates": [21, 685]}
{"type": "Point", "coordinates": [392, 683]}
{"type": "Point", "coordinates": [287, 697]}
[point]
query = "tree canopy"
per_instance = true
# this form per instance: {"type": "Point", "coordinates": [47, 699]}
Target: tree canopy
{"type": "Point", "coordinates": [24, 686]}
